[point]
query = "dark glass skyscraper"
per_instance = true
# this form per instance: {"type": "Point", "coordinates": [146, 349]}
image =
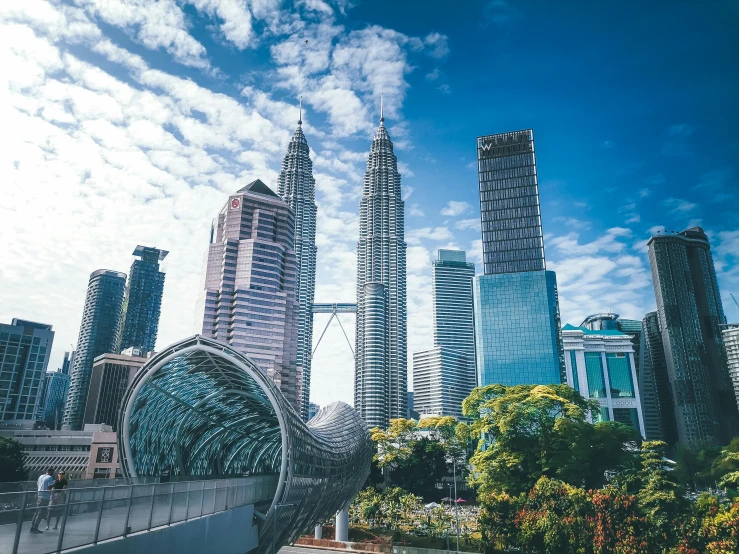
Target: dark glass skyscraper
{"type": "Point", "coordinates": [297, 187]}
{"type": "Point", "coordinates": [654, 385]}
{"type": "Point", "coordinates": [380, 381]}
{"type": "Point", "coordinates": [143, 301]}
{"type": "Point", "coordinates": [517, 329]}
{"type": "Point", "coordinates": [690, 314]}
{"type": "Point", "coordinates": [512, 237]}
{"type": "Point", "coordinates": [98, 335]}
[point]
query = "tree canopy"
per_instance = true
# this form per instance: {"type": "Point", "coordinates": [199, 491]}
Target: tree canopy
{"type": "Point", "coordinates": [11, 461]}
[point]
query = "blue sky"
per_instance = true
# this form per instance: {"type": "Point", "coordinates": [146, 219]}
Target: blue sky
{"type": "Point", "coordinates": [128, 122]}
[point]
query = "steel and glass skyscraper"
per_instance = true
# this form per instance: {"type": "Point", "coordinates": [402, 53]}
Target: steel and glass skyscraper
{"type": "Point", "coordinates": [98, 335]}
{"type": "Point", "coordinates": [143, 301]}
{"type": "Point", "coordinates": [690, 318]}
{"type": "Point", "coordinates": [249, 291]}
{"type": "Point", "coordinates": [517, 328]}
{"type": "Point", "coordinates": [297, 187]}
{"type": "Point", "coordinates": [25, 347]}
{"type": "Point", "coordinates": [381, 381]}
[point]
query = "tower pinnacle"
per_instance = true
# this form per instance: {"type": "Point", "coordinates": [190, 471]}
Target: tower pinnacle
{"type": "Point", "coordinates": [382, 118]}
{"type": "Point", "coordinates": [300, 113]}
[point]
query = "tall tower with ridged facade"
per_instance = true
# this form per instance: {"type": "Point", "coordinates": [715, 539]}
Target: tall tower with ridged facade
{"type": "Point", "coordinates": [380, 381]}
{"type": "Point", "coordinates": [297, 187]}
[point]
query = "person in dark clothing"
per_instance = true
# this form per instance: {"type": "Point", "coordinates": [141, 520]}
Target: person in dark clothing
{"type": "Point", "coordinates": [58, 496]}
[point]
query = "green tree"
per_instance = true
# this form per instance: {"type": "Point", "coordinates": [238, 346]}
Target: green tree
{"type": "Point", "coordinates": [11, 461]}
{"type": "Point", "coordinates": [660, 497]}
{"type": "Point", "coordinates": [531, 431]}
{"type": "Point", "coordinates": [421, 469]}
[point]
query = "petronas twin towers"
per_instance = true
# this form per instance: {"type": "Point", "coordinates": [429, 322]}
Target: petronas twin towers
{"type": "Point", "coordinates": [380, 382]}
{"type": "Point", "coordinates": [297, 187]}
{"type": "Point", "coordinates": [260, 280]}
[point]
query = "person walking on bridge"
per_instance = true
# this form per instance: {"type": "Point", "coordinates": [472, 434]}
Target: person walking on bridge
{"type": "Point", "coordinates": [43, 486]}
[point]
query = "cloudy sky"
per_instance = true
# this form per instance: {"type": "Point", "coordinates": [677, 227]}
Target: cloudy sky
{"type": "Point", "coordinates": [126, 122]}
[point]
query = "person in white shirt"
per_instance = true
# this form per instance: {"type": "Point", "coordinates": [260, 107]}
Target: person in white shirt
{"type": "Point", "coordinates": [43, 486]}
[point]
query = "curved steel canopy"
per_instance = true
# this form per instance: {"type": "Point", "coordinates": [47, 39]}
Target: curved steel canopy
{"type": "Point", "coordinates": [201, 408]}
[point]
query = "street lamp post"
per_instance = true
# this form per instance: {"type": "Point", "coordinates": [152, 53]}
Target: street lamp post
{"type": "Point", "coordinates": [274, 526]}
{"type": "Point", "coordinates": [456, 504]}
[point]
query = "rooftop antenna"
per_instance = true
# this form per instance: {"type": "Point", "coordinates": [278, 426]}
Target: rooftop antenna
{"type": "Point", "coordinates": [382, 118]}
{"type": "Point", "coordinates": [300, 113]}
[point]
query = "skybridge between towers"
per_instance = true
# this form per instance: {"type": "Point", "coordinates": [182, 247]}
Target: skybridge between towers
{"type": "Point", "coordinates": [334, 309]}
{"type": "Point", "coordinates": [214, 460]}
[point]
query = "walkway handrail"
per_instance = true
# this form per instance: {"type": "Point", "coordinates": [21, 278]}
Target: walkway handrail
{"type": "Point", "coordinates": [88, 515]}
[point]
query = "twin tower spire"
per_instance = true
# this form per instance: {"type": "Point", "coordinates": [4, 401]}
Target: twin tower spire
{"type": "Point", "coordinates": [380, 379]}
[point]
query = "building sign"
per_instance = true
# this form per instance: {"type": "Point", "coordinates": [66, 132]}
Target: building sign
{"type": "Point", "coordinates": [506, 144]}
{"type": "Point", "coordinates": [105, 455]}
{"type": "Point", "coordinates": [235, 203]}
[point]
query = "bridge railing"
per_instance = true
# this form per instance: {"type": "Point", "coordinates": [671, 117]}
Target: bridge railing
{"type": "Point", "coordinates": [90, 514]}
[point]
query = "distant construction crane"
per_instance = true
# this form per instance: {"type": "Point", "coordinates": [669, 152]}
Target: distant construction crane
{"type": "Point", "coordinates": [734, 299]}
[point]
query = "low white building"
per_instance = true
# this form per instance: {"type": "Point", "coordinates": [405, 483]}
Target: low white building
{"type": "Point", "coordinates": [600, 366]}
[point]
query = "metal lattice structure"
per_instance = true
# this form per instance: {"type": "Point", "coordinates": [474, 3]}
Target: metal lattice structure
{"type": "Point", "coordinates": [200, 408]}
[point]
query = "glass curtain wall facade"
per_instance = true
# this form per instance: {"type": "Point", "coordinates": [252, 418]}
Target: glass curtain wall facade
{"type": "Point", "coordinates": [517, 334]}
{"type": "Point", "coordinates": [600, 366]}
{"type": "Point", "coordinates": [381, 259]}
{"type": "Point", "coordinates": [98, 335]}
{"type": "Point", "coordinates": [25, 347]}
{"type": "Point", "coordinates": [690, 316]}
{"type": "Point", "coordinates": [249, 291]}
{"type": "Point", "coordinates": [201, 408]}
{"type": "Point", "coordinates": [297, 187]}
{"type": "Point", "coordinates": [142, 304]}
{"type": "Point", "coordinates": [517, 329]}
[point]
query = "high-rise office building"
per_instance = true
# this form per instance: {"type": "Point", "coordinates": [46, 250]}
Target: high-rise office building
{"type": "Point", "coordinates": [441, 381]}
{"type": "Point", "coordinates": [517, 329]}
{"type": "Point", "coordinates": [297, 187]}
{"type": "Point", "coordinates": [111, 375]}
{"type": "Point", "coordinates": [55, 395]}
{"type": "Point", "coordinates": [142, 304]}
{"type": "Point", "coordinates": [249, 291]}
{"type": "Point", "coordinates": [98, 335]}
{"type": "Point", "coordinates": [731, 343]}
{"type": "Point", "coordinates": [451, 288]}
{"type": "Point", "coordinates": [444, 376]}
{"type": "Point", "coordinates": [690, 317]}
{"type": "Point", "coordinates": [25, 347]}
{"type": "Point", "coordinates": [654, 385]}
{"type": "Point", "coordinates": [600, 366]}
{"type": "Point", "coordinates": [610, 321]}
{"type": "Point", "coordinates": [380, 379]}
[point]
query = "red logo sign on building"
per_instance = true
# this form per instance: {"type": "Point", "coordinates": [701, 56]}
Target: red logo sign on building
{"type": "Point", "coordinates": [235, 203]}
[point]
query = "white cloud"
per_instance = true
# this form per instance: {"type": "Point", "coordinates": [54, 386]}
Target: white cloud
{"type": "Point", "coordinates": [437, 45]}
{"type": "Point", "coordinates": [436, 234]}
{"type": "Point", "coordinates": [454, 208]}
{"type": "Point", "coordinates": [473, 223]}
{"type": "Point", "coordinates": [574, 222]}
{"type": "Point", "coordinates": [679, 206]}
{"type": "Point", "coordinates": [415, 211]}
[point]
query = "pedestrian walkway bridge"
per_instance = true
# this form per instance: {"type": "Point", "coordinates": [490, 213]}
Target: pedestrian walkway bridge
{"type": "Point", "coordinates": [199, 411]}
{"type": "Point", "coordinates": [96, 512]}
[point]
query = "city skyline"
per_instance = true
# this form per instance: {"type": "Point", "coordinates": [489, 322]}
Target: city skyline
{"type": "Point", "coordinates": [616, 159]}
